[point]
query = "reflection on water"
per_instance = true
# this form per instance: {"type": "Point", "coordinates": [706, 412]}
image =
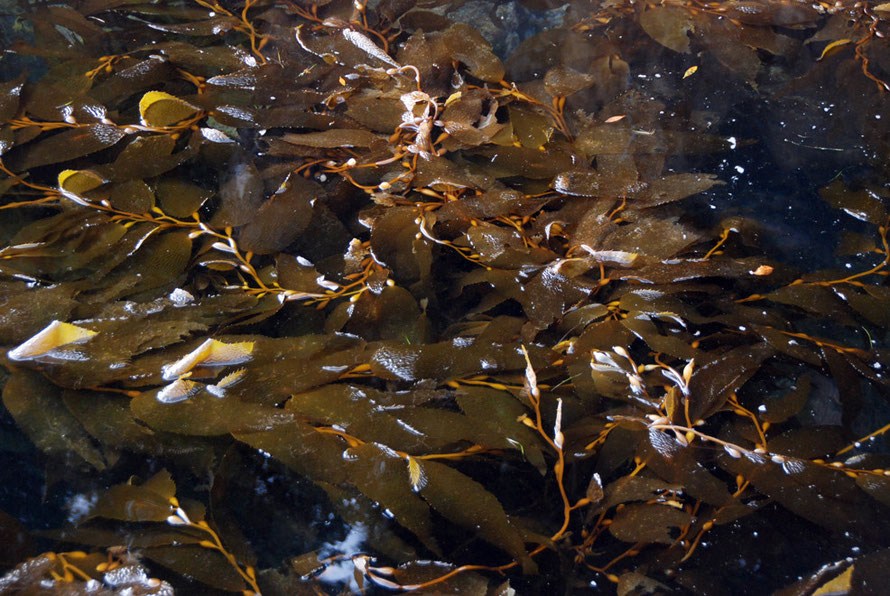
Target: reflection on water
{"type": "Point", "coordinates": [468, 296]}
{"type": "Point", "coordinates": [342, 572]}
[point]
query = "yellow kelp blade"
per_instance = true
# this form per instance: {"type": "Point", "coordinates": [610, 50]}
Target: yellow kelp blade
{"type": "Point", "coordinates": [839, 585]}
{"type": "Point", "coordinates": [210, 353]}
{"type": "Point", "coordinates": [54, 335]}
{"type": "Point", "coordinates": [833, 48]}
{"type": "Point", "coordinates": [157, 108]}
{"type": "Point", "coordinates": [79, 181]}
{"type": "Point", "coordinates": [219, 390]}
{"type": "Point", "coordinates": [416, 475]}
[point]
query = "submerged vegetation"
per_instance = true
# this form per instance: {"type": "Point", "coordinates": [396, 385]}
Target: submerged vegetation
{"type": "Point", "coordinates": [305, 296]}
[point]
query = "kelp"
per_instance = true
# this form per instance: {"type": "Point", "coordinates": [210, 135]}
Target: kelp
{"type": "Point", "coordinates": [466, 306]}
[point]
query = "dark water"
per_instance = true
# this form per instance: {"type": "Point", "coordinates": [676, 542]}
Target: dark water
{"type": "Point", "coordinates": [381, 442]}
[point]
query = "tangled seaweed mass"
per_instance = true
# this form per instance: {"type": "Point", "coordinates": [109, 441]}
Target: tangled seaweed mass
{"type": "Point", "coordinates": [301, 297]}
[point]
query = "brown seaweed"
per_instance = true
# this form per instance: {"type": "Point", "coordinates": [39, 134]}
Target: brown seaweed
{"type": "Point", "coordinates": [467, 300]}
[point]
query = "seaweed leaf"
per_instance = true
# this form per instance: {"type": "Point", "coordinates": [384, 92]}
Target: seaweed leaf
{"type": "Point", "coordinates": [466, 503]}
{"type": "Point", "coordinates": [157, 108]}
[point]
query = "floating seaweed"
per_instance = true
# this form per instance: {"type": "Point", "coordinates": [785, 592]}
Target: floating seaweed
{"type": "Point", "coordinates": [457, 315]}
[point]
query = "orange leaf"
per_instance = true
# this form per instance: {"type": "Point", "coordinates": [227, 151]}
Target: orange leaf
{"type": "Point", "coordinates": [833, 48]}
{"type": "Point", "coordinates": [762, 270]}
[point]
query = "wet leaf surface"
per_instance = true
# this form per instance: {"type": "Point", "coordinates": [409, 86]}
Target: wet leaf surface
{"type": "Point", "coordinates": [204, 414]}
{"type": "Point", "coordinates": [648, 523]}
{"type": "Point", "coordinates": [66, 145]}
{"type": "Point", "coordinates": [208, 567]}
{"type": "Point", "coordinates": [281, 219]}
{"type": "Point", "coordinates": [669, 26]}
{"type": "Point", "coordinates": [35, 406]}
{"type": "Point", "coordinates": [385, 479]}
{"type": "Point", "coordinates": [466, 503]}
{"type": "Point", "coordinates": [240, 195]}
{"type": "Point", "coordinates": [149, 501]}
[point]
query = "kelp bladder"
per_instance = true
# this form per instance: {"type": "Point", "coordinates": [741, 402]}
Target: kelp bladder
{"type": "Point", "coordinates": [463, 304]}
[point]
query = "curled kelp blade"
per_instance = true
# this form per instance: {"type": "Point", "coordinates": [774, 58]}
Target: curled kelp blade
{"type": "Point", "coordinates": [211, 352]}
{"type": "Point", "coordinates": [54, 335]}
{"type": "Point", "coordinates": [179, 390]}
{"type": "Point", "coordinates": [227, 382]}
